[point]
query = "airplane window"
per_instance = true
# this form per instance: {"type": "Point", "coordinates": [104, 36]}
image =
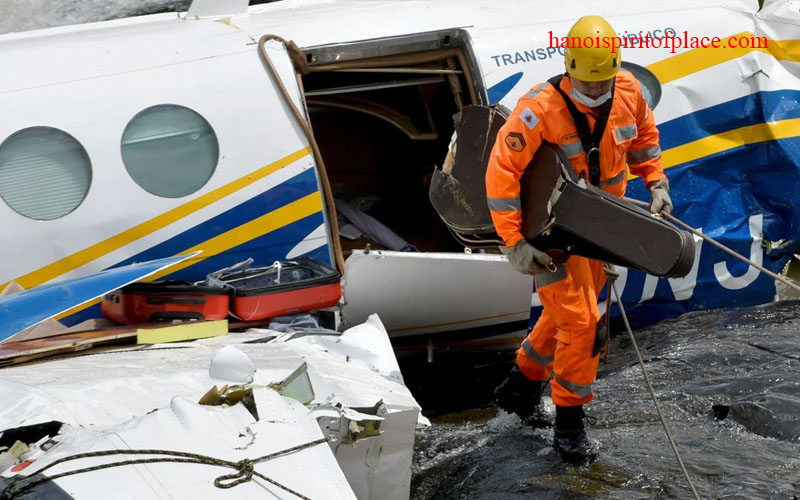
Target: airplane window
{"type": "Point", "coordinates": [44, 173]}
{"type": "Point", "coordinates": [651, 87]}
{"type": "Point", "coordinates": [170, 150]}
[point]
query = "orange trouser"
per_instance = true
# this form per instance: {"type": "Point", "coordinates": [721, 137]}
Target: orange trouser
{"type": "Point", "coordinates": [563, 338]}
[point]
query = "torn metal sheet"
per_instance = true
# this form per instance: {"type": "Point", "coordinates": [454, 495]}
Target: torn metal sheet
{"type": "Point", "coordinates": [352, 379]}
{"type": "Point", "coordinates": [297, 385]}
{"type": "Point", "coordinates": [229, 434]}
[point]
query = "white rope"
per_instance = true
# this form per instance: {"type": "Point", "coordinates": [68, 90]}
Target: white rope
{"type": "Point", "coordinates": [786, 281]}
{"type": "Point", "coordinates": [650, 388]}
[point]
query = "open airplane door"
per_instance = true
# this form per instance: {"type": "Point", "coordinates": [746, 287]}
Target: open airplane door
{"type": "Point", "coordinates": [454, 297]}
{"type": "Point", "coordinates": [285, 63]}
{"type": "Point", "coordinates": [380, 110]}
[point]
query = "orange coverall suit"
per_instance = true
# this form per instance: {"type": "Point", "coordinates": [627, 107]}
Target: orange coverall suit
{"type": "Point", "coordinates": [563, 338]}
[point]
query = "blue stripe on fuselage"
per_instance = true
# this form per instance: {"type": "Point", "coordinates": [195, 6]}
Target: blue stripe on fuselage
{"type": "Point", "coordinates": [760, 107]}
{"type": "Point", "coordinates": [290, 190]}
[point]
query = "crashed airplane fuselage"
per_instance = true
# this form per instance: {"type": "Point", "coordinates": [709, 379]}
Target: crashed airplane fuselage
{"type": "Point", "coordinates": [130, 140]}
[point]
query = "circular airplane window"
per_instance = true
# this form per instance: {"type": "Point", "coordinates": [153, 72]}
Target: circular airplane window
{"type": "Point", "coordinates": [45, 173]}
{"type": "Point", "coordinates": [651, 87]}
{"type": "Point", "coordinates": [170, 151]}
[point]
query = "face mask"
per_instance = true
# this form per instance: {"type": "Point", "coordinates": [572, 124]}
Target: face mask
{"type": "Point", "coordinates": [588, 101]}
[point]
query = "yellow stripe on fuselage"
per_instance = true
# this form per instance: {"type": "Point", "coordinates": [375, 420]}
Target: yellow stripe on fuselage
{"type": "Point", "coordinates": [281, 217]}
{"type": "Point", "coordinates": [126, 237]}
{"type": "Point", "coordinates": [696, 60]}
{"type": "Point", "coordinates": [287, 214]}
{"type": "Point", "coordinates": [751, 134]}
{"type": "Point", "coordinates": [707, 146]}
{"type": "Point", "coordinates": [785, 50]}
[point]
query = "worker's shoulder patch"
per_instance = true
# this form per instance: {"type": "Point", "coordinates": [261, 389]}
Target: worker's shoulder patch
{"type": "Point", "coordinates": [529, 118]}
{"type": "Point", "coordinates": [515, 141]}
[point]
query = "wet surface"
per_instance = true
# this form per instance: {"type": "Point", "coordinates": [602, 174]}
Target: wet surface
{"type": "Point", "coordinates": [740, 364]}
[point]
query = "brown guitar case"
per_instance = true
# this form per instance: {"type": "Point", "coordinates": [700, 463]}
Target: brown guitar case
{"type": "Point", "coordinates": [564, 215]}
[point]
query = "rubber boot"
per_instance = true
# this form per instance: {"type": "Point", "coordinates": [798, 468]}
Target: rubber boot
{"type": "Point", "coordinates": [569, 436]}
{"type": "Point", "coordinates": [523, 396]}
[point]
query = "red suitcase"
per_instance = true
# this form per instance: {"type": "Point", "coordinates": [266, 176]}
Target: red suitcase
{"type": "Point", "coordinates": [165, 301]}
{"type": "Point", "coordinates": [296, 286]}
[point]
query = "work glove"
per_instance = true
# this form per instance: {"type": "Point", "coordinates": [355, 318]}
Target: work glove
{"type": "Point", "coordinates": [660, 202]}
{"type": "Point", "coordinates": [526, 259]}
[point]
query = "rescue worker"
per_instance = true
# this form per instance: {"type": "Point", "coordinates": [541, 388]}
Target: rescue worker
{"type": "Point", "coordinates": [619, 132]}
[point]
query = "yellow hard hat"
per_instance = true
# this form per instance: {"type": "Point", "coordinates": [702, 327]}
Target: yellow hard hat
{"type": "Point", "coordinates": [588, 55]}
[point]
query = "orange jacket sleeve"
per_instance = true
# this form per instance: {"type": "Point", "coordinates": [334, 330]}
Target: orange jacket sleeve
{"type": "Point", "coordinates": [644, 155]}
{"type": "Point", "coordinates": [516, 143]}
